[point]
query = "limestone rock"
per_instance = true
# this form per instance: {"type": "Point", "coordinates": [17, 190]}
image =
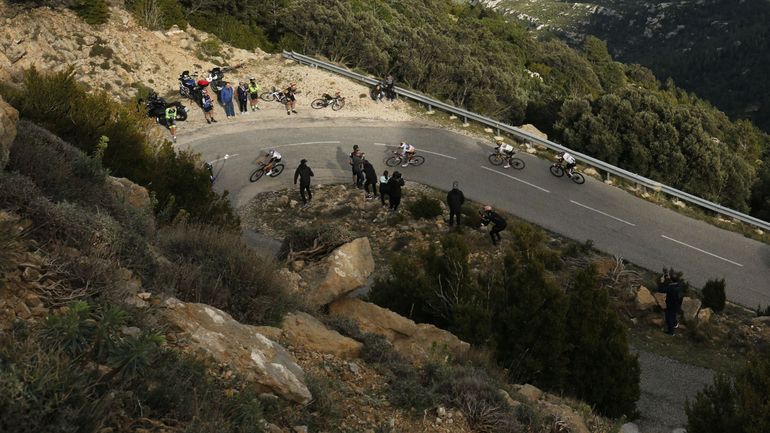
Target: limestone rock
{"type": "Point", "coordinates": [8, 119]}
{"type": "Point", "coordinates": [214, 333]}
{"type": "Point", "coordinates": [530, 393]}
{"type": "Point", "coordinates": [415, 342]}
{"type": "Point", "coordinates": [590, 171]}
{"type": "Point", "coordinates": [629, 427]}
{"type": "Point", "coordinates": [531, 129]}
{"type": "Point", "coordinates": [690, 307]}
{"type": "Point", "coordinates": [304, 330]}
{"type": "Point", "coordinates": [704, 315]}
{"type": "Point", "coordinates": [291, 280]}
{"type": "Point", "coordinates": [661, 299]}
{"type": "Point", "coordinates": [131, 193]}
{"type": "Point", "coordinates": [644, 299]}
{"type": "Point", "coordinates": [568, 416]}
{"type": "Point", "coordinates": [346, 269]}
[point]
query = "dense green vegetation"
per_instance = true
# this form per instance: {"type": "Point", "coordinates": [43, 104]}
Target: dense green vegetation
{"type": "Point", "coordinates": [473, 57]}
{"type": "Point", "coordinates": [176, 178]}
{"type": "Point", "coordinates": [564, 340]}
{"type": "Point", "coordinates": [738, 404]}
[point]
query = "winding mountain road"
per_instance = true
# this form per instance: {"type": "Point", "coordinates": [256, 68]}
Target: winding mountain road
{"type": "Point", "coordinates": [617, 222]}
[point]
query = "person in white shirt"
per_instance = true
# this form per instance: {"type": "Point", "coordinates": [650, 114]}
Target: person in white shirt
{"type": "Point", "coordinates": [406, 151]}
{"type": "Point", "coordinates": [271, 157]}
{"type": "Point", "coordinates": [507, 151]}
{"type": "Point", "coordinates": [570, 160]}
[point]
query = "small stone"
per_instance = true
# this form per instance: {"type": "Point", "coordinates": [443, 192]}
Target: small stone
{"type": "Point", "coordinates": [297, 265]}
{"type": "Point", "coordinates": [678, 203]}
{"type": "Point", "coordinates": [32, 300]}
{"type": "Point", "coordinates": [293, 203]}
{"type": "Point", "coordinates": [590, 171]}
{"type": "Point", "coordinates": [452, 117]}
{"type": "Point", "coordinates": [704, 315]}
{"type": "Point", "coordinates": [629, 427]}
{"type": "Point", "coordinates": [144, 295]}
{"type": "Point", "coordinates": [130, 331]}
{"type": "Point", "coordinates": [354, 368]}
{"type": "Point", "coordinates": [22, 311]}
{"type": "Point", "coordinates": [300, 429]}
{"type": "Point", "coordinates": [441, 412]}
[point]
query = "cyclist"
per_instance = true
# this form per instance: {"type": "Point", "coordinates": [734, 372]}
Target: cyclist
{"type": "Point", "coordinates": [254, 94]}
{"type": "Point", "coordinates": [171, 121]}
{"type": "Point", "coordinates": [570, 160]}
{"type": "Point", "coordinates": [271, 157]}
{"type": "Point", "coordinates": [406, 151]}
{"type": "Point", "coordinates": [507, 151]}
{"type": "Point", "coordinates": [290, 99]}
{"type": "Point", "coordinates": [498, 223]}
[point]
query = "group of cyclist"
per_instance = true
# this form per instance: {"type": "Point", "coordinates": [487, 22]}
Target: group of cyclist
{"type": "Point", "coordinates": [508, 152]}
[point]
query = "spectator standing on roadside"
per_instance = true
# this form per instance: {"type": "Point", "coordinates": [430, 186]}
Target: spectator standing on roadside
{"type": "Point", "coordinates": [254, 94]}
{"type": "Point", "coordinates": [394, 191]}
{"type": "Point", "coordinates": [208, 107]}
{"type": "Point", "coordinates": [357, 164]}
{"type": "Point", "coordinates": [226, 97]}
{"type": "Point", "coordinates": [673, 290]}
{"type": "Point", "coordinates": [171, 121]}
{"type": "Point", "coordinates": [291, 100]}
{"type": "Point", "coordinates": [371, 179]}
{"type": "Point", "coordinates": [304, 173]}
{"type": "Point", "coordinates": [455, 199]}
{"type": "Point", "coordinates": [384, 187]}
{"type": "Point", "coordinates": [243, 98]}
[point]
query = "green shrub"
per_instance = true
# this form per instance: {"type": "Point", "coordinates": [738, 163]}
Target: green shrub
{"type": "Point", "coordinates": [471, 217]}
{"type": "Point", "coordinates": [177, 178]}
{"type": "Point", "coordinates": [714, 294]}
{"type": "Point", "coordinates": [158, 14]}
{"type": "Point", "coordinates": [234, 32]}
{"type": "Point", "coordinates": [213, 266]}
{"type": "Point", "coordinates": [9, 246]}
{"type": "Point", "coordinates": [211, 47]}
{"type": "Point", "coordinates": [92, 11]}
{"type": "Point", "coordinates": [99, 50]}
{"type": "Point", "coordinates": [762, 311]}
{"type": "Point", "coordinates": [736, 404]}
{"type": "Point", "coordinates": [425, 207]}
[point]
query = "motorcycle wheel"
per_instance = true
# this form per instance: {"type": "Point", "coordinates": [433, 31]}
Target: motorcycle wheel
{"type": "Point", "coordinates": [181, 115]}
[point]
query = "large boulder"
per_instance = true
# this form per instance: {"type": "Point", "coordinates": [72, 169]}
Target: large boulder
{"type": "Point", "coordinates": [346, 269]}
{"type": "Point", "coordinates": [704, 316]}
{"type": "Point", "coordinates": [416, 342]}
{"type": "Point", "coordinates": [304, 330]}
{"type": "Point", "coordinates": [214, 333]}
{"type": "Point", "coordinates": [8, 119]}
{"type": "Point", "coordinates": [129, 192]}
{"type": "Point", "coordinates": [690, 307]}
{"type": "Point", "coordinates": [644, 299]}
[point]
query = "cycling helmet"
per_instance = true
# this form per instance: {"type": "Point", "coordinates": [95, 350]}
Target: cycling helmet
{"type": "Point", "coordinates": [487, 208]}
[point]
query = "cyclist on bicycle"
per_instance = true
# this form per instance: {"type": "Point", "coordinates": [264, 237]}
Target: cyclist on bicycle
{"type": "Point", "coordinates": [507, 151]}
{"type": "Point", "coordinates": [406, 151]}
{"type": "Point", "coordinates": [271, 157]}
{"type": "Point", "coordinates": [571, 163]}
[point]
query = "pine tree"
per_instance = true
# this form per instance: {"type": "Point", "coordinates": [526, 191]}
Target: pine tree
{"type": "Point", "coordinates": [601, 370]}
{"type": "Point", "coordinates": [93, 12]}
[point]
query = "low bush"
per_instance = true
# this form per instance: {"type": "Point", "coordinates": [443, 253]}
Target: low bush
{"type": "Point", "coordinates": [9, 245]}
{"type": "Point", "coordinates": [317, 240]}
{"type": "Point", "coordinates": [211, 47]}
{"type": "Point", "coordinates": [212, 265]}
{"type": "Point", "coordinates": [471, 217]}
{"type": "Point", "coordinates": [93, 12]}
{"type": "Point", "coordinates": [234, 32]}
{"type": "Point", "coordinates": [177, 178]}
{"type": "Point", "coordinates": [714, 294]}
{"type": "Point", "coordinates": [158, 14]}
{"type": "Point", "coordinates": [425, 208]}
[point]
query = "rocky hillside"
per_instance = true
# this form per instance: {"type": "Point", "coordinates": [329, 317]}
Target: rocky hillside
{"type": "Point", "coordinates": [713, 48]}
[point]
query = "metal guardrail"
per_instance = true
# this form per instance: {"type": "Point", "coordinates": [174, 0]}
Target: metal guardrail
{"type": "Point", "coordinates": [523, 135]}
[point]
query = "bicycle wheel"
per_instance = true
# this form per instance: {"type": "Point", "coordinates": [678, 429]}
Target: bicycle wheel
{"type": "Point", "coordinates": [496, 159]}
{"type": "Point", "coordinates": [338, 104]}
{"type": "Point", "coordinates": [417, 160]}
{"type": "Point", "coordinates": [267, 96]}
{"type": "Point", "coordinates": [557, 171]}
{"type": "Point", "coordinates": [517, 163]}
{"type": "Point", "coordinates": [318, 103]}
{"type": "Point", "coordinates": [578, 178]}
{"type": "Point", "coordinates": [393, 161]}
{"type": "Point", "coordinates": [256, 174]}
{"type": "Point", "coordinates": [277, 169]}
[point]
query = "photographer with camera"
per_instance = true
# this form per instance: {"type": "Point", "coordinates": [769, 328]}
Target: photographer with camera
{"type": "Point", "coordinates": [672, 287]}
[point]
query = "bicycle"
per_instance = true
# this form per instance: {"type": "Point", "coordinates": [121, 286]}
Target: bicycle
{"type": "Point", "coordinates": [260, 171]}
{"type": "Point", "coordinates": [274, 95]}
{"type": "Point", "coordinates": [337, 102]}
{"type": "Point", "coordinates": [557, 169]}
{"type": "Point", "coordinates": [397, 159]}
{"type": "Point", "coordinates": [498, 158]}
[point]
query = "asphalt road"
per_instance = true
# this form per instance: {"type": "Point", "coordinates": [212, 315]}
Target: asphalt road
{"type": "Point", "coordinates": [617, 222]}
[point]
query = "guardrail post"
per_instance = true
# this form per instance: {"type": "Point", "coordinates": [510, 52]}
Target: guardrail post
{"type": "Point", "coordinates": [465, 121]}
{"type": "Point", "coordinates": [430, 109]}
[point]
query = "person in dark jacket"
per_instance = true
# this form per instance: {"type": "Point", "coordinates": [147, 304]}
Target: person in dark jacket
{"type": "Point", "coordinates": [384, 187]}
{"type": "Point", "coordinates": [371, 179]}
{"type": "Point", "coordinates": [498, 223]}
{"type": "Point", "coordinates": [673, 290]}
{"type": "Point", "coordinates": [455, 200]}
{"type": "Point", "coordinates": [356, 162]}
{"type": "Point", "coordinates": [226, 97]}
{"type": "Point", "coordinates": [304, 173]}
{"type": "Point", "coordinates": [394, 191]}
{"type": "Point", "coordinates": [243, 98]}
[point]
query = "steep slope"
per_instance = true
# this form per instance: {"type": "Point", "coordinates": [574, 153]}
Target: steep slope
{"type": "Point", "coordinates": [715, 48]}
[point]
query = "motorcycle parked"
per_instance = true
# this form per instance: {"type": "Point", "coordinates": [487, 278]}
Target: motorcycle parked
{"type": "Point", "coordinates": [156, 108]}
{"type": "Point", "coordinates": [216, 78]}
{"type": "Point", "coordinates": [191, 89]}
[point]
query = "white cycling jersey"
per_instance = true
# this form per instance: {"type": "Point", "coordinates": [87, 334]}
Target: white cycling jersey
{"type": "Point", "coordinates": [406, 147]}
{"type": "Point", "coordinates": [506, 147]}
{"type": "Point", "coordinates": [274, 154]}
{"type": "Point", "coordinates": [568, 158]}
